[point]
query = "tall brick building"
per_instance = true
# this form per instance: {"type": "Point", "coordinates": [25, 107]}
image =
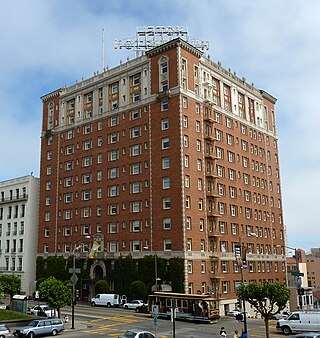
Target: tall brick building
{"type": "Point", "coordinates": [169, 154]}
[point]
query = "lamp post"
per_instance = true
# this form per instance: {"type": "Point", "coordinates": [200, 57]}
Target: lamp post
{"type": "Point", "coordinates": [243, 259]}
{"type": "Point", "coordinates": [74, 278]}
{"type": "Point", "coordinates": [155, 267]}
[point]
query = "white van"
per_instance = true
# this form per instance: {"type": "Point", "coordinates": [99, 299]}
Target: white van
{"type": "Point", "coordinates": [300, 321]}
{"type": "Point", "coordinates": [106, 299]}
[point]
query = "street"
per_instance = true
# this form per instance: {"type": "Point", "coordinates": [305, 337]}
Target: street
{"type": "Point", "coordinates": [111, 322]}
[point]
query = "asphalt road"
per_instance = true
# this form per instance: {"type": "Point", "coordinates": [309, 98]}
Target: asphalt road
{"type": "Point", "coordinates": [91, 322]}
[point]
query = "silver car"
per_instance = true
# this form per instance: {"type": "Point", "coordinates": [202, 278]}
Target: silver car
{"type": "Point", "coordinates": [308, 335]}
{"type": "Point", "coordinates": [5, 331]}
{"type": "Point", "coordinates": [41, 327]}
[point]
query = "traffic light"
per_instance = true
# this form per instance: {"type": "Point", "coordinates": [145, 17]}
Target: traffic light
{"type": "Point", "coordinates": [77, 294]}
{"type": "Point", "coordinates": [239, 305]}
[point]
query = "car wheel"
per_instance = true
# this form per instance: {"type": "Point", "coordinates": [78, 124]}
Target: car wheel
{"type": "Point", "coordinates": [2, 337]}
{"type": "Point", "coordinates": [31, 335]}
{"type": "Point", "coordinates": [54, 332]}
{"type": "Point", "coordinates": [93, 303]}
{"type": "Point", "coordinates": [286, 330]}
{"type": "Point", "coordinates": [126, 307]}
{"type": "Point", "coordinates": [108, 304]}
{"type": "Point", "coordinates": [137, 309]}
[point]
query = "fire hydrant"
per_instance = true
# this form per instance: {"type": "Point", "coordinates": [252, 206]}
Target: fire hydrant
{"type": "Point", "coordinates": [66, 318]}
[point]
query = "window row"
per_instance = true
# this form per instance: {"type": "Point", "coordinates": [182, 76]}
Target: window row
{"type": "Point", "coordinates": [112, 246]}
{"type": "Point", "coordinates": [12, 212]}
{"type": "Point", "coordinates": [16, 264]}
{"type": "Point", "coordinates": [12, 229]}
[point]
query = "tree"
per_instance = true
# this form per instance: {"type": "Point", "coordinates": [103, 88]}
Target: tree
{"type": "Point", "coordinates": [102, 286]}
{"type": "Point", "coordinates": [11, 284]}
{"type": "Point", "coordinates": [55, 293]}
{"type": "Point", "coordinates": [138, 290]}
{"type": "Point", "coordinates": [267, 298]}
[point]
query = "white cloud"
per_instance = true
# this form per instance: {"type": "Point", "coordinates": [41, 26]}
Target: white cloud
{"type": "Point", "coordinates": [275, 44]}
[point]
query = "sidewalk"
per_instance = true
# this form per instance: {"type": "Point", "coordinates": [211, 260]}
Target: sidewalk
{"type": "Point", "coordinates": [78, 325]}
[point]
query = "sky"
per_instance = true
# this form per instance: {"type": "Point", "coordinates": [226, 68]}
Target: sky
{"type": "Point", "coordinates": [274, 44]}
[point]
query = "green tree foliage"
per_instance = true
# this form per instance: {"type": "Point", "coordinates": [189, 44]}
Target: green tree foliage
{"type": "Point", "coordinates": [267, 298]}
{"type": "Point", "coordinates": [102, 286]}
{"type": "Point", "coordinates": [55, 293]}
{"type": "Point", "coordinates": [175, 274]}
{"type": "Point", "coordinates": [121, 271]}
{"type": "Point", "coordinates": [11, 284]}
{"type": "Point", "coordinates": [138, 290]}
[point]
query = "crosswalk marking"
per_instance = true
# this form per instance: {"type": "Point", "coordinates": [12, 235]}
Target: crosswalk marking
{"type": "Point", "coordinates": [111, 324]}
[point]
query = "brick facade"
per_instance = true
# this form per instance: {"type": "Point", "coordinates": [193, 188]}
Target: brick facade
{"type": "Point", "coordinates": [167, 153]}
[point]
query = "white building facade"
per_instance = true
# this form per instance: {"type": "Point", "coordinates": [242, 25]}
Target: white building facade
{"type": "Point", "coordinates": [19, 210]}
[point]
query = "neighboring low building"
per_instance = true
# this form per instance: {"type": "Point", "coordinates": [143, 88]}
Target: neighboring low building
{"type": "Point", "coordinates": [19, 209]}
{"type": "Point", "coordinates": [301, 296]}
{"type": "Point", "coordinates": [313, 263]}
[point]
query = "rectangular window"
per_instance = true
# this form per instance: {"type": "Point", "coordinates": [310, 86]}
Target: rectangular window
{"type": "Point", "coordinates": [166, 182]}
{"type": "Point", "coordinates": [164, 105]}
{"type": "Point", "coordinates": [164, 124]}
{"type": "Point", "coordinates": [165, 162]}
{"type": "Point", "coordinates": [166, 203]}
{"type": "Point", "coordinates": [165, 143]}
{"type": "Point", "coordinates": [167, 223]}
{"type": "Point", "coordinates": [167, 245]}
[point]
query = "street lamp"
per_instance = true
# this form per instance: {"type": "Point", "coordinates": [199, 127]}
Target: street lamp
{"type": "Point", "coordinates": [243, 258]}
{"type": "Point", "coordinates": [74, 277]}
{"type": "Point", "coordinates": [155, 267]}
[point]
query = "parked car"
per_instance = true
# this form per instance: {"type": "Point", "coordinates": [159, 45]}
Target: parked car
{"type": "Point", "coordinates": [133, 304]}
{"type": "Point", "coordinates": [40, 327]}
{"type": "Point", "coordinates": [233, 313]}
{"type": "Point", "coordinates": [41, 310]}
{"type": "Point", "coordinates": [5, 331]}
{"type": "Point", "coordinates": [308, 335]}
{"type": "Point", "coordinates": [248, 315]}
{"type": "Point", "coordinates": [137, 334]}
{"type": "Point", "coordinates": [142, 308]}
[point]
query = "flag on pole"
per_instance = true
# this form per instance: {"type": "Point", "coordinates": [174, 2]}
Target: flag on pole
{"type": "Point", "coordinates": [93, 250]}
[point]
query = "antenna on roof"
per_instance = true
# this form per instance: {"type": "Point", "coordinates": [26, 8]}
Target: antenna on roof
{"type": "Point", "coordinates": [102, 65]}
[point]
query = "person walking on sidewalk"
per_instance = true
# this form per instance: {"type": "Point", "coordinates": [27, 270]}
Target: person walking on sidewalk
{"type": "Point", "coordinates": [223, 333]}
{"type": "Point", "coordinates": [244, 334]}
{"type": "Point", "coordinates": [236, 334]}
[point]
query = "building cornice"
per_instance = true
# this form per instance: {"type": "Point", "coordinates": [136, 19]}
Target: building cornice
{"type": "Point", "coordinates": [52, 95]}
{"type": "Point", "coordinates": [268, 96]}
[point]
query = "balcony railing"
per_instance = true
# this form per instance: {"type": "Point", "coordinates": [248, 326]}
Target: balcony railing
{"type": "Point", "coordinates": [23, 197]}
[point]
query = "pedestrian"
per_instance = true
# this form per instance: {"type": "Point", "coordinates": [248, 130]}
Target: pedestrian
{"type": "Point", "coordinates": [244, 334]}
{"type": "Point", "coordinates": [223, 333]}
{"type": "Point", "coordinates": [236, 334]}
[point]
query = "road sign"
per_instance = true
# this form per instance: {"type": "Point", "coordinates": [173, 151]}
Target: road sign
{"type": "Point", "coordinates": [155, 310]}
{"type": "Point", "coordinates": [155, 321]}
{"type": "Point", "coordinates": [296, 273]}
{"type": "Point", "coordinates": [74, 278]}
{"type": "Point", "coordinates": [76, 270]}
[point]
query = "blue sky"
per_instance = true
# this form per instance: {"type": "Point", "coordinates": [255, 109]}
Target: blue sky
{"type": "Point", "coordinates": [274, 44]}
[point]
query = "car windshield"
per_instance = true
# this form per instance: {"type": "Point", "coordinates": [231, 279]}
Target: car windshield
{"type": "Point", "coordinates": [129, 334]}
{"type": "Point", "coordinates": [33, 323]}
{"type": "Point", "coordinates": [3, 328]}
